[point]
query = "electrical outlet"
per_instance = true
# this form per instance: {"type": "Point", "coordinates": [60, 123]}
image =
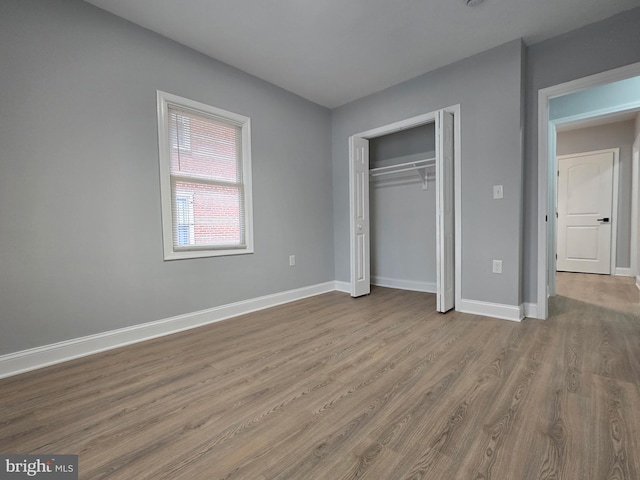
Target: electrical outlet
{"type": "Point", "coordinates": [497, 266]}
{"type": "Point", "coordinates": [498, 192]}
{"type": "Point", "coordinates": [292, 260]}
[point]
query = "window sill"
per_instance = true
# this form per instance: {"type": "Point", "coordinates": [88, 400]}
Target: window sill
{"type": "Point", "coordinates": [186, 254]}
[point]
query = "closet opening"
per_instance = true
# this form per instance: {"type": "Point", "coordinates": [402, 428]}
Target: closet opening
{"type": "Point", "coordinates": [402, 201]}
{"type": "Point", "coordinates": [404, 233]}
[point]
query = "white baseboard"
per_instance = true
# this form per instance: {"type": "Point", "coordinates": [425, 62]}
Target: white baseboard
{"type": "Point", "coordinates": [622, 272]}
{"type": "Point", "coordinates": [487, 309]}
{"type": "Point", "coordinates": [342, 286]}
{"type": "Point", "coordinates": [429, 287]}
{"type": "Point", "coordinates": [34, 358]}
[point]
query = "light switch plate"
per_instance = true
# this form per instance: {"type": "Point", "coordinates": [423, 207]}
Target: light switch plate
{"type": "Point", "coordinates": [498, 192]}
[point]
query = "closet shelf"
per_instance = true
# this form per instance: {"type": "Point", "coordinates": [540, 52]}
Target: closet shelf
{"type": "Point", "coordinates": [419, 166]}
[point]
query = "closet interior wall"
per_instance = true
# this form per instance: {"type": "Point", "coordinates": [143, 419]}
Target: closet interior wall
{"type": "Point", "coordinates": [403, 212]}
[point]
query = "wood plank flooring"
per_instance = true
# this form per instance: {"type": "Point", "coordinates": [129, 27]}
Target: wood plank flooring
{"type": "Point", "coordinates": [331, 387]}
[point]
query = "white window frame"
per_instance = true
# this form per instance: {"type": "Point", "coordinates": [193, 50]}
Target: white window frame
{"type": "Point", "coordinates": [164, 100]}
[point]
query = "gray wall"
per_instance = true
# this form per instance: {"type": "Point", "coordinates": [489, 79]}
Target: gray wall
{"type": "Point", "coordinates": [79, 181]}
{"type": "Point", "coordinates": [612, 135]}
{"type": "Point", "coordinates": [488, 88]}
{"type": "Point", "coordinates": [416, 141]}
{"type": "Point", "coordinates": [403, 215]}
{"type": "Point", "coordinates": [596, 48]}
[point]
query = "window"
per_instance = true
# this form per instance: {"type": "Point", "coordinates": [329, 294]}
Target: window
{"type": "Point", "coordinates": [205, 184]}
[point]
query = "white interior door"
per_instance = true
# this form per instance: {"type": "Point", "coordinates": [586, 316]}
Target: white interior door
{"type": "Point", "coordinates": [585, 198]}
{"type": "Point", "coordinates": [359, 208]}
{"type": "Point", "coordinates": [445, 298]}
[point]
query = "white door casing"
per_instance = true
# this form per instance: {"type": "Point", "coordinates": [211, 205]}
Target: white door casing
{"type": "Point", "coordinates": [445, 260]}
{"type": "Point", "coordinates": [359, 216]}
{"type": "Point", "coordinates": [552, 238]}
{"type": "Point", "coordinates": [585, 212]}
{"type": "Point", "coordinates": [360, 249]}
{"type": "Point", "coordinates": [635, 207]}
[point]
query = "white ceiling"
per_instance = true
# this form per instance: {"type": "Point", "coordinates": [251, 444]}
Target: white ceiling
{"type": "Point", "coordinates": [335, 51]}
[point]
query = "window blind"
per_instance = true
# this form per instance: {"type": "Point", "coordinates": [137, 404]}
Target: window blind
{"type": "Point", "coordinates": [207, 190]}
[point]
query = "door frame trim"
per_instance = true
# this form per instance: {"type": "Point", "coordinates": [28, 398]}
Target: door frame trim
{"type": "Point", "coordinates": [546, 163]}
{"type": "Point", "coordinates": [614, 200]}
{"type": "Point", "coordinates": [635, 200]}
{"type": "Point", "coordinates": [457, 180]}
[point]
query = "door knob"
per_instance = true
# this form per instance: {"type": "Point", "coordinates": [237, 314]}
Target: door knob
{"type": "Point", "coordinates": [605, 219]}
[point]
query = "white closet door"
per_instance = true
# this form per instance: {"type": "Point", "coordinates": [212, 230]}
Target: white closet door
{"type": "Point", "coordinates": [359, 208]}
{"type": "Point", "coordinates": [445, 297]}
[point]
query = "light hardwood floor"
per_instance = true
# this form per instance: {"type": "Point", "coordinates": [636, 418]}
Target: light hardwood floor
{"type": "Point", "coordinates": [333, 388]}
{"type": "Point", "coordinates": [613, 293]}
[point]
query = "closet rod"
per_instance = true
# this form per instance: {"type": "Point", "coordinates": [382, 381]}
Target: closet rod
{"type": "Point", "coordinates": [419, 166]}
{"type": "Point", "coordinates": [408, 169]}
{"type": "Point", "coordinates": [392, 168]}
